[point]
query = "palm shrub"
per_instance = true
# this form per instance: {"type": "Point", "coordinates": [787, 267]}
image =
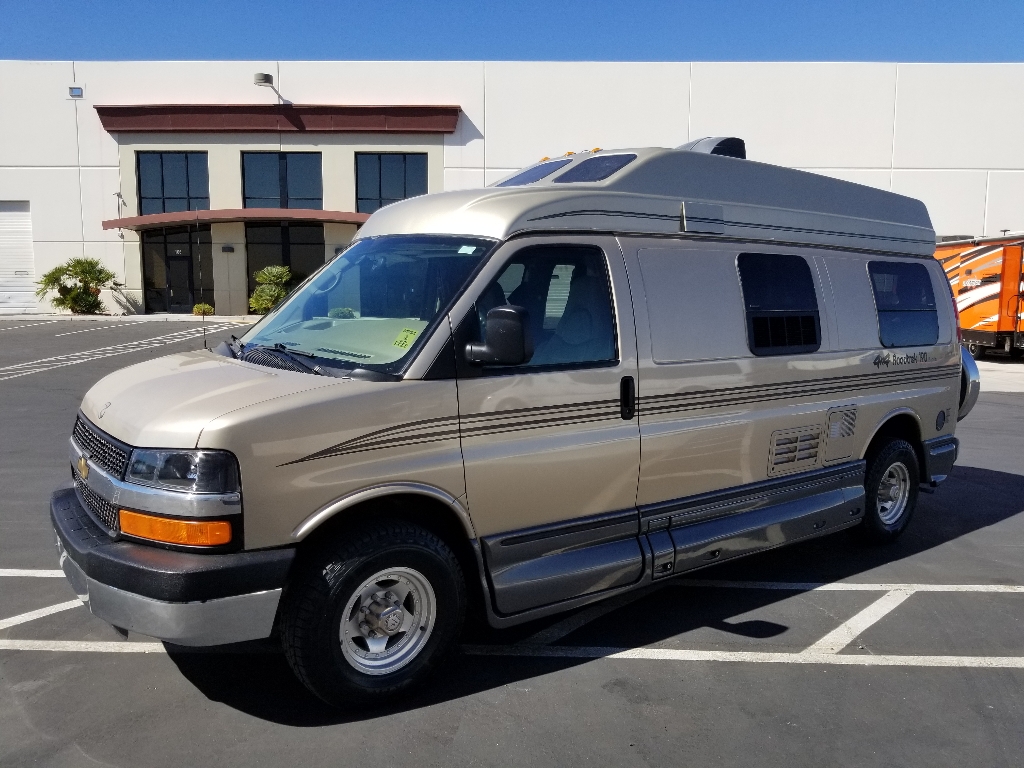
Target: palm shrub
{"type": "Point", "coordinates": [77, 283]}
{"type": "Point", "coordinates": [271, 289]}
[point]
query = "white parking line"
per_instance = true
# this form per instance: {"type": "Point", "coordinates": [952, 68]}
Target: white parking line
{"type": "Point", "coordinates": [37, 573]}
{"type": "Point", "coordinates": [49, 363]}
{"type": "Point", "coordinates": [825, 651]}
{"type": "Point", "coordinates": [89, 330]}
{"type": "Point", "coordinates": [78, 646]}
{"type": "Point", "coordinates": [30, 325]}
{"type": "Point", "coordinates": [670, 654]}
{"type": "Point", "coordinates": [38, 614]}
{"type": "Point", "coordinates": [849, 630]}
{"type": "Point", "coordinates": [842, 586]}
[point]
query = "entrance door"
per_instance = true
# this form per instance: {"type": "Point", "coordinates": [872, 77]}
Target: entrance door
{"type": "Point", "coordinates": [179, 281]}
{"type": "Point", "coordinates": [551, 455]}
{"type": "Point", "coordinates": [177, 269]}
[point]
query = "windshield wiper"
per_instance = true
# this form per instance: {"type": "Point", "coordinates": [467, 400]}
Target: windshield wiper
{"type": "Point", "coordinates": [293, 355]}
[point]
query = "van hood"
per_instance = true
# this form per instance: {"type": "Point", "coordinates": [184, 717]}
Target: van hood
{"type": "Point", "coordinates": [167, 402]}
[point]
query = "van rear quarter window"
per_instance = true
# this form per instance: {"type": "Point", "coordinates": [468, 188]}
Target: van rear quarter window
{"type": "Point", "coordinates": [907, 315]}
{"type": "Point", "coordinates": [780, 302]}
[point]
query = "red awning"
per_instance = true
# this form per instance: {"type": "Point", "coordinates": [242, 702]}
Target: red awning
{"type": "Point", "coordinates": [251, 118]}
{"type": "Point", "coordinates": [184, 218]}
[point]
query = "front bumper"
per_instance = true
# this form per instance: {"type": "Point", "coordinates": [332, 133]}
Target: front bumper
{"type": "Point", "coordinates": [178, 597]}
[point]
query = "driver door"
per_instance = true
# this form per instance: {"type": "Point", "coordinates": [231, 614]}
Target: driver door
{"type": "Point", "coordinates": [552, 447]}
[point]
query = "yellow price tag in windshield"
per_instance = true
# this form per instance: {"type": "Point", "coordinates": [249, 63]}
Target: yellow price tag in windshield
{"type": "Point", "coordinates": [406, 338]}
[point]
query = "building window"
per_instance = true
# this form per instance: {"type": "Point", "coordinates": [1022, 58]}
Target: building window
{"type": "Point", "coordinates": [383, 178]}
{"type": "Point", "coordinates": [300, 247]}
{"type": "Point", "coordinates": [173, 181]}
{"type": "Point", "coordinates": [177, 269]}
{"type": "Point", "coordinates": [905, 302]}
{"type": "Point", "coordinates": [282, 180]}
{"type": "Point", "coordinates": [781, 305]}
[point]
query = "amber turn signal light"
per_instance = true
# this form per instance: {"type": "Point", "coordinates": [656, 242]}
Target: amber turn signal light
{"type": "Point", "coordinates": [192, 533]}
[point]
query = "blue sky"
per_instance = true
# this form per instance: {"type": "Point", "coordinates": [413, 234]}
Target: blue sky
{"type": "Point", "coordinates": [628, 30]}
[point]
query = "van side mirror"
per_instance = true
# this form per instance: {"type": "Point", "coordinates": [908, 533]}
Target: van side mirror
{"type": "Point", "coordinates": [507, 338]}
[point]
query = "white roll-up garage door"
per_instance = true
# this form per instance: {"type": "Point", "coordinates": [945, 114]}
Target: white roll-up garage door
{"type": "Point", "coordinates": [17, 264]}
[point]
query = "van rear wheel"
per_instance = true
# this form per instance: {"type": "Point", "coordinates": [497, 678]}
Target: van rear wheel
{"type": "Point", "coordinates": [891, 489]}
{"type": "Point", "coordinates": [374, 614]}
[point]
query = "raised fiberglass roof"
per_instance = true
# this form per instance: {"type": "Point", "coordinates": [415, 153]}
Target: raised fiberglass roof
{"type": "Point", "coordinates": [670, 191]}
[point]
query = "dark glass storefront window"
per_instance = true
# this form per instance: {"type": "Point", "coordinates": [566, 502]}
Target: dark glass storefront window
{"type": "Point", "coordinates": [383, 178]}
{"type": "Point", "coordinates": [282, 180]}
{"type": "Point", "coordinates": [172, 181]}
{"type": "Point", "coordinates": [177, 269]}
{"type": "Point", "coordinates": [299, 247]}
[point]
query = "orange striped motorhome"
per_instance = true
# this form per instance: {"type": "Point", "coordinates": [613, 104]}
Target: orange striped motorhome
{"type": "Point", "coordinates": [987, 281]}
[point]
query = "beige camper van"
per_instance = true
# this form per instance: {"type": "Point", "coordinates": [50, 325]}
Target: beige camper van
{"type": "Point", "coordinates": [605, 370]}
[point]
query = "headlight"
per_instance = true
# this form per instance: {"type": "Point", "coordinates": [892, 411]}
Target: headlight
{"type": "Point", "coordinates": [186, 471]}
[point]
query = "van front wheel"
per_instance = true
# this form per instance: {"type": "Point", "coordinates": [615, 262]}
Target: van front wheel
{"type": "Point", "coordinates": [891, 489]}
{"type": "Point", "coordinates": [372, 615]}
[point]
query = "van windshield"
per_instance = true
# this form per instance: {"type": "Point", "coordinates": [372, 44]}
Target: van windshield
{"type": "Point", "coordinates": [369, 307]}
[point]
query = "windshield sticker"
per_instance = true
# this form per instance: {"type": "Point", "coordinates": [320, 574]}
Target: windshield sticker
{"type": "Point", "coordinates": [406, 338]}
{"type": "Point", "coordinates": [467, 249]}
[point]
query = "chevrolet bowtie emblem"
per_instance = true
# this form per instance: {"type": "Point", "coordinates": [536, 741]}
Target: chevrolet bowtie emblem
{"type": "Point", "coordinates": [83, 467]}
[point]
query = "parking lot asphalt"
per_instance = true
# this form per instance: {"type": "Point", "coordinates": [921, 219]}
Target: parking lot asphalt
{"type": "Point", "coordinates": [824, 653]}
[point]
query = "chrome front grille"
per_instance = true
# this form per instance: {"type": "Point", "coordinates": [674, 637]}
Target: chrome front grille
{"type": "Point", "coordinates": [112, 457]}
{"type": "Point", "coordinates": [102, 509]}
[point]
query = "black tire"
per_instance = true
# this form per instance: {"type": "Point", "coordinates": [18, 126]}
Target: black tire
{"type": "Point", "coordinates": [882, 524]}
{"type": "Point", "coordinates": [977, 351]}
{"type": "Point", "coordinates": [315, 601]}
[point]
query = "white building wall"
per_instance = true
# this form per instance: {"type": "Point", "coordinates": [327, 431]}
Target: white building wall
{"type": "Point", "coordinates": [950, 134]}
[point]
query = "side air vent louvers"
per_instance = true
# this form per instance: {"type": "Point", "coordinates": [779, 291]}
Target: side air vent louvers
{"type": "Point", "coordinates": [794, 450]}
{"type": "Point", "coordinates": [840, 442]}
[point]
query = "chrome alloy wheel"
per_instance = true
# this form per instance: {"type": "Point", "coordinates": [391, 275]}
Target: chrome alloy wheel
{"type": "Point", "coordinates": [387, 621]}
{"type": "Point", "coordinates": [893, 493]}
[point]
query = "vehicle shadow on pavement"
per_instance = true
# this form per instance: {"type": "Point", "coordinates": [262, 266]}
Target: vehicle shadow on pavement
{"type": "Point", "coordinates": [260, 683]}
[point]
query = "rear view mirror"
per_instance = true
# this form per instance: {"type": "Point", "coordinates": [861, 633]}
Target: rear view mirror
{"type": "Point", "coordinates": [507, 339]}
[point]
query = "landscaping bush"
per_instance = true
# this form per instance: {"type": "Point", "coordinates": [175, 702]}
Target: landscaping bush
{"type": "Point", "coordinates": [78, 283]}
{"type": "Point", "coordinates": [341, 313]}
{"type": "Point", "coordinates": [202, 309]}
{"type": "Point", "coordinates": [272, 288]}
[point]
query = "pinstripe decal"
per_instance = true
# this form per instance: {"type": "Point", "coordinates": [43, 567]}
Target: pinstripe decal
{"type": "Point", "coordinates": [540, 417]}
{"type": "Point", "coordinates": [732, 396]}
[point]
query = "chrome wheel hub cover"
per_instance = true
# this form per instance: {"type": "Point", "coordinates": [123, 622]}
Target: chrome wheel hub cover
{"type": "Point", "coordinates": [387, 621]}
{"type": "Point", "coordinates": [893, 493]}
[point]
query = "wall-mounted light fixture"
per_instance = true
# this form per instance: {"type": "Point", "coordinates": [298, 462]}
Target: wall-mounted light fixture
{"type": "Point", "coordinates": [267, 81]}
{"type": "Point", "coordinates": [76, 91]}
{"type": "Point", "coordinates": [227, 249]}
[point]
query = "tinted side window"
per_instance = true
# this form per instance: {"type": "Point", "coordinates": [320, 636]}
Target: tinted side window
{"type": "Point", "coordinates": [780, 303]}
{"type": "Point", "coordinates": [566, 292]}
{"type": "Point", "coordinates": [905, 302]}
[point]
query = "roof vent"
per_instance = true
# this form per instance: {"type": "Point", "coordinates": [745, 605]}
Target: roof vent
{"type": "Point", "coordinates": [727, 146]}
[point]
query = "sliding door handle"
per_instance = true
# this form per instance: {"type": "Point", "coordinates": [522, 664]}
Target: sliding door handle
{"type": "Point", "coordinates": [627, 398]}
